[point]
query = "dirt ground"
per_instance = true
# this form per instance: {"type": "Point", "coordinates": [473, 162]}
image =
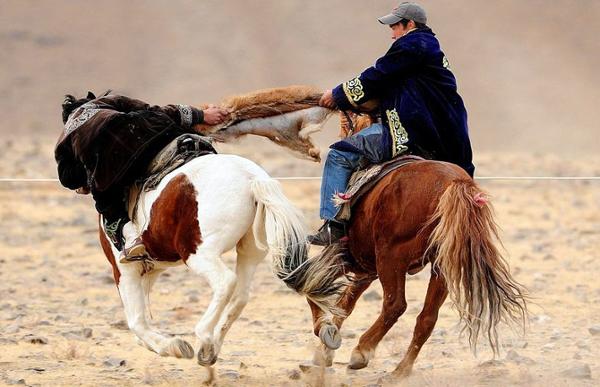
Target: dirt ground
{"type": "Point", "coordinates": [61, 321]}
{"type": "Point", "coordinates": [527, 80]}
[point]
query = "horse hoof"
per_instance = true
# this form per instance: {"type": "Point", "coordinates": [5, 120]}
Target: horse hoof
{"type": "Point", "coordinates": [357, 360]}
{"type": "Point", "coordinates": [402, 372]}
{"type": "Point", "coordinates": [180, 349]}
{"type": "Point", "coordinates": [330, 336]}
{"type": "Point", "coordinates": [207, 355]}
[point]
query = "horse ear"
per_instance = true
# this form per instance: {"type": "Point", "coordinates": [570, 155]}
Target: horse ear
{"type": "Point", "coordinates": [91, 95]}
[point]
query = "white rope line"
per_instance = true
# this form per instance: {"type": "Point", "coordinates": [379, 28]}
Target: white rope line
{"type": "Point", "coordinates": [41, 180]}
{"type": "Point", "coordinates": [478, 178]}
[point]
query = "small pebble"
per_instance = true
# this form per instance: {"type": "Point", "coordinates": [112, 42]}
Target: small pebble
{"type": "Point", "coordinates": [513, 356]}
{"type": "Point", "coordinates": [491, 364]}
{"type": "Point", "coordinates": [121, 324]}
{"type": "Point", "coordinates": [582, 344]}
{"type": "Point", "coordinates": [12, 328]}
{"type": "Point", "coordinates": [230, 374]}
{"type": "Point", "coordinates": [594, 330]}
{"type": "Point", "coordinates": [115, 362]}
{"type": "Point", "coordinates": [578, 371]}
{"type": "Point", "coordinates": [439, 332]}
{"type": "Point", "coordinates": [372, 296]}
{"type": "Point", "coordinates": [541, 319]}
{"type": "Point", "coordinates": [15, 381]}
{"type": "Point", "coordinates": [548, 346]}
{"type": "Point", "coordinates": [294, 375]}
{"type": "Point", "coordinates": [35, 339]}
{"type": "Point", "coordinates": [306, 367]}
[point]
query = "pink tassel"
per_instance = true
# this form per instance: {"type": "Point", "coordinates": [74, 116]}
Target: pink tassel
{"type": "Point", "coordinates": [343, 196]}
{"type": "Point", "coordinates": [480, 199]}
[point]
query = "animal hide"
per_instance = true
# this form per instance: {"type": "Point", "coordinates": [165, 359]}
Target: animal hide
{"type": "Point", "coordinates": [287, 116]}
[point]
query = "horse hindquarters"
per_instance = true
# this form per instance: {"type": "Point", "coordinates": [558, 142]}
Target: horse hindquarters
{"type": "Point", "coordinates": [476, 275]}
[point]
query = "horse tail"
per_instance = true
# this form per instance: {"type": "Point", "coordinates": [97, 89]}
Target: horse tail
{"type": "Point", "coordinates": [464, 246]}
{"type": "Point", "coordinates": [281, 224]}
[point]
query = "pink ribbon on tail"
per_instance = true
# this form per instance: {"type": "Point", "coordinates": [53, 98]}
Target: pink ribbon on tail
{"type": "Point", "coordinates": [480, 199]}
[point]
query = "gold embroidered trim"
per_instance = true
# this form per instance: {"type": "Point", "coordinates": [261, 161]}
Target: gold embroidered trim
{"type": "Point", "coordinates": [399, 134]}
{"type": "Point", "coordinates": [354, 91]}
{"type": "Point", "coordinates": [446, 63]}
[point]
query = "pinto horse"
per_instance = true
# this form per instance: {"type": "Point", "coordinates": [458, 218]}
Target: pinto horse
{"type": "Point", "coordinates": [426, 212]}
{"type": "Point", "coordinates": [199, 211]}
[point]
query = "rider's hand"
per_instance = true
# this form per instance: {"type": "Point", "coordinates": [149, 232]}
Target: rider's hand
{"type": "Point", "coordinates": [214, 115]}
{"type": "Point", "coordinates": [83, 190]}
{"type": "Point", "coordinates": [327, 100]}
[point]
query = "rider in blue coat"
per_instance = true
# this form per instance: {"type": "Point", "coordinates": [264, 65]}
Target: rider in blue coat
{"type": "Point", "coordinates": [420, 108]}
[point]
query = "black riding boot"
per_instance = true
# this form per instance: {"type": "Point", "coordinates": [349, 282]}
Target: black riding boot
{"type": "Point", "coordinates": [331, 232]}
{"type": "Point", "coordinates": [111, 205]}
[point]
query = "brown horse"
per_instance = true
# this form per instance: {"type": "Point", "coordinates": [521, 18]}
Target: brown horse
{"type": "Point", "coordinates": [426, 212]}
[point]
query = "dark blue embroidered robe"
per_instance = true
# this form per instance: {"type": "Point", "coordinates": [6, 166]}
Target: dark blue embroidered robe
{"type": "Point", "coordinates": [420, 108]}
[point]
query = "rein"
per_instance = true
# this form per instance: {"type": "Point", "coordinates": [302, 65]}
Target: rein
{"type": "Point", "coordinates": [350, 123]}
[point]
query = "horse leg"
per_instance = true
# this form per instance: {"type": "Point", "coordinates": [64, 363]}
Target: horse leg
{"type": "Point", "coordinates": [350, 296]}
{"type": "Point", "coordinates": [327, 328]}
{"type": "Point", "coordinates": [394, 305]}
{"type": "Point", "coordinates": [248, 257]}
{"type": "Point", "coordinates": [148, 281]}
{"type": "Point", "coordinates": [436, 294]}
{"type": "Point", "coordinates": [133, 294]}
{"type": "Point", "coordinates": [207, 262]}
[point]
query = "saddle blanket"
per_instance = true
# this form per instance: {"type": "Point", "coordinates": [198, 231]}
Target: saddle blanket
{"type": "Point", "coordinates": [179, 152]}
{"type": "Point", "coordinates": [362, 181]}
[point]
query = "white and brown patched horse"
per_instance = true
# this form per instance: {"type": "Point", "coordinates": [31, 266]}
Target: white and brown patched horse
{"type": "Point", "coordinates": [211, 205]}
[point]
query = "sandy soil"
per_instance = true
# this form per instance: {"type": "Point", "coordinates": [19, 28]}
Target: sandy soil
{"type": "Point", "coordinates": [61, 322]}
{"type": "Point", "coordinates": [527, 81]}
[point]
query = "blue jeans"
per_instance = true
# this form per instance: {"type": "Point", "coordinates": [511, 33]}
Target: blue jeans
{"type": "Point", "coordinates": [339, 166]}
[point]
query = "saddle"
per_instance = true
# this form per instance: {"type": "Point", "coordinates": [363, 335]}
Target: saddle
{"type": "Point", "coordinates": [178, 152]}
{"type": "Point", "coordinates": [363, 180]}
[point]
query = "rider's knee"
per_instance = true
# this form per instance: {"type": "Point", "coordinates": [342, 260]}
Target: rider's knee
{"type": "Point", "coordinates": [342, 158]}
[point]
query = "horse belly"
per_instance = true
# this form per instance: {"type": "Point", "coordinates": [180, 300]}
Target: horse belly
{"type": "Point", "coordinates": [207, 201]}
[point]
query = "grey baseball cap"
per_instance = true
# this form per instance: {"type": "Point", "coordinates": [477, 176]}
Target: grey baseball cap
{"type": "Point", "coordinates": [406, 10]}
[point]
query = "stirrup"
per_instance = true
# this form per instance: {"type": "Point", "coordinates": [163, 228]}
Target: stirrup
{"type": "Point", "coordinates": [135, 253]}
